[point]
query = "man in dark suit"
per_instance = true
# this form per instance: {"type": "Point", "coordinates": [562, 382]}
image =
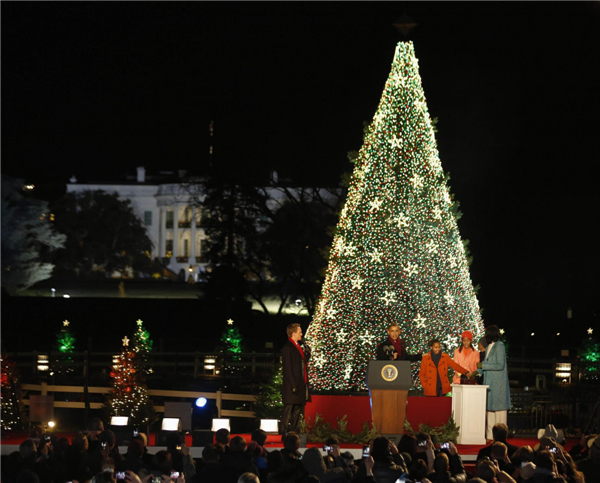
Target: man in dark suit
{"type": "Point", "coordinates": [295, 355]}
{"type": "Point", "coordinates": [394, 348]}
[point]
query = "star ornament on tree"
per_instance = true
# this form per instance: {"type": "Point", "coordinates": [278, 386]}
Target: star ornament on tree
{"type": "Point", "coordinates": [357, 283]}
{"type": "Point", "coordinates": [590, 331]}
{"type": "Point", "coordinates": [449, 298]}
{"type": "Point", "coordinates": [139, 322]}
{"type": "Point", "coordinates": [66, 323]}
{"type": "Point", "coordinates": [331, 313]}
{"type": "Point", "coordinates": [411, 269]}
{"type": "Point", "coordinates": [396, 142]}
{"type": "Point", "coordinates": [375, 204]}
{"type": "Point", "coordinates": [229, 321]}
{"type": "Point", "coordinates": [376, 256]}
{"type": "Point", "coordinates": [389, 298]}
{"type": "Point", "coordinates": [417, 182]}
{"type": "Point", "coordinates": [420, 321]}
{"type": "Point", "coordinates": [125, 341]}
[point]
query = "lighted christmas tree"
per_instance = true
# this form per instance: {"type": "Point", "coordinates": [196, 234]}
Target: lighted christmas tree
{"type": "Point", "coordinates": [128, 395]}
{"type": "Point", "coordinates": [232, 338]}
{"type": "Point", "coordinates": [142, 345]}
{"type": "Point", "coordinates": [65, 340]}
{"type": "Point", "coordinates": [65, 343]}
{"type": "Point", "coordinates": [589, 353]}
{"type": "Point", "coordinates": [397, 254]}
{"type": "Point", "coordinates": [11, 398]}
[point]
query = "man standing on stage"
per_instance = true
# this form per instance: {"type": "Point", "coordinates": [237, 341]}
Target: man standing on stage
{"type": "Point", "coordinates": [394, 348]}
{"type": "Point", "coordinates": [295, 379]}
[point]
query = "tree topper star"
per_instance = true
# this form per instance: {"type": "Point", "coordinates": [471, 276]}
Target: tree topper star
{"type": "Point", "coordinates": [125, 341]}
{"type": "Point", "coordinates": [229, 321]}
{"type": "Point", "coordinates": [139, 322]}
{"type": "Point", "coordinates": [590, 331]}
{"type": "Point", "coordinates": [66, 323]}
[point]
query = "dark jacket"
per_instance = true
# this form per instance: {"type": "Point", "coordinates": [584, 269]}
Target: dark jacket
{"type": "Point", "coordinates": [235, 463]}
{"type": "Point", "coordinates": [402, 356]}
{"type": "Point", "coordinates": [314, 464]}
{"type": "Point", "coordinates": [293, 374]}
{"type": "Point", "coordinates": [487, 451]}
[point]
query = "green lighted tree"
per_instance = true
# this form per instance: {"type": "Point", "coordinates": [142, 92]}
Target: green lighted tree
{"type": "Point", "coordinates": [65, 340]}
{"type": "Point", "coordinates": [128, 395]}
{"type": "Point", "coordinates": [232, 338]}
{"type": "Point", "coordinates": [589, 353]}
{"type": "Point", "coordinates": [269, 404]}
{"type": "Point", "coordinates": [397, 254]}
{"type": "Point", "coordinates": [142, 346]}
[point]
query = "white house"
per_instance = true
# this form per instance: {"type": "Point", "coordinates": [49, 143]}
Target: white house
{"type": "Point", "coordinates": [174, 223]}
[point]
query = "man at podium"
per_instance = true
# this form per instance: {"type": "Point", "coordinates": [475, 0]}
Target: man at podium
{"type": "Point", "coordinates": [394, 348]}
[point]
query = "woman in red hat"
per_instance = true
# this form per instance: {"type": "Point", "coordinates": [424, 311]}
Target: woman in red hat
{"type": "Point", "coordinates": [466, 355]}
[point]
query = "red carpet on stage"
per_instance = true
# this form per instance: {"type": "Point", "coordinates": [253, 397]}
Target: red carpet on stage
{"type": "Point", "coordinates": [433, 411]}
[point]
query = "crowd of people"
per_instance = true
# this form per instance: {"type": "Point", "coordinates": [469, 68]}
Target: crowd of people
{"type": "Point", "coordinates": [93, 457]}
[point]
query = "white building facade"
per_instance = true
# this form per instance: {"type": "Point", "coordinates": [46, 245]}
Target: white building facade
{"type": "Point", "coordinates": [173, 219]}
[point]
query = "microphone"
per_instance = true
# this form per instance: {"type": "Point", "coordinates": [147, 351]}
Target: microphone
{"type": "Point", "coordinates": [389, 351]}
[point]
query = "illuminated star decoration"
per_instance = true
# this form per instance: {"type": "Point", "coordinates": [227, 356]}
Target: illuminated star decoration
{"type": "Point", "coordinates": [389, 297]}
{"type": "Point", "coordinates": [419, 321]}
{"type": "Point", "coordinates": [357, 283]}
{"type": "Point", "coordinates": [66, 323]}
{"type": "Point", "coordinates": [331, 312]}
{"type": "Point", "coordinates": [139, 322]}
{"type": "Point", "coordinates": [430, 246]}
{"type": "Point", "coordinates": [348, 372]}
{"type": "Point", "coordinates": [376, 255]}
{"type": "Point", "coordinates": [229, 321]}
{"type": "Point", "coordinates": [125, 341]}
{"type": "Point", "coordinates": [501, 331]}
{"type": "Point", "coordinates": [449, 298]}
{"type": "Point", "coordinates": [376, 204]}
{"type": "Point", "coordinates": [417, 182]}
{"type": "Point", "coordinates": [396, 142]}
{"type": "Point", "coordinates": [411, 269]}
{"type": "Point", "coordinates": [590, 331]}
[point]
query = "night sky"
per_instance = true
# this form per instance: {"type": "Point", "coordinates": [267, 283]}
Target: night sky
{"type": "Point", "coordinates": [96, 89]}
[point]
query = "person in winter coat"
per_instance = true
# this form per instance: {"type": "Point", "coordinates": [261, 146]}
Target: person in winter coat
{"type": "Point", "coordinates": [434, 370]}
{"type": "Point", "coordinates": [495, 375]}
{"type": "Point", "coordinates": [466, 355]}
{"type": "Point", "coordinates": [295, 355]}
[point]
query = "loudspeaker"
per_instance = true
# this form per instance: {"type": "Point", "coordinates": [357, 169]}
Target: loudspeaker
{"type": "Point", "coordinates": [202, 437]}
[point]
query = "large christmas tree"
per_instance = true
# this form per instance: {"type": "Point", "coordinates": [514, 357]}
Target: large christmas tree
{"type": "Point", "coordinates": [128, 395]}
{"type": "Point", "coordinates": [397, 254]}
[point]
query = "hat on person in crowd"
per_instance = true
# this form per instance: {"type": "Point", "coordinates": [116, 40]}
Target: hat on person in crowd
{"type": "Point", "coordinates": [551, 432]}
{"type": "Point", "coordinates": [527, 470]}
{"type": "Point", "coordinates": [467, 333]}
{"type": "Point", "coordinates": [347, 457]}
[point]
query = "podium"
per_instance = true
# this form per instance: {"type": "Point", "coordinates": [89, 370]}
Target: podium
{"type": "Point", "coordinates": [388, 383]}
{"type": "Point", "coordinates": [469, 409]}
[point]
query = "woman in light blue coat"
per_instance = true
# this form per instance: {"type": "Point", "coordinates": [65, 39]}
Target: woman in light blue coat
{"type": "Point", "coordinates": [495, 375]}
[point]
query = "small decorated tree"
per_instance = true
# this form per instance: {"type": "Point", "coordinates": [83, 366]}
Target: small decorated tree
{"type": "Point", "coordinates": [142, 346]}
{"type": "Point", "coordinates": [589, 353]}
{"type": "Point", "coordinates": [65, 345]}
{"type": "Point", "coordinates": [128, 395]}
{"type": "Point", "coordinates": [11, 397]}
{"type": "Point", "coordinates": [232, 338]}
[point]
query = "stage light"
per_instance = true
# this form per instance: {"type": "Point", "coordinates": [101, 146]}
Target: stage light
{"type": "Point", "coordinates": [51, 424]}
{"type": "Point", "coordinates": [170, 424]}
{"type": "Point", "coordinates": [119, 421]}
{"type": "Point", "coordinates": [201, 402]}
{"type": "Point", "coordinates": [220, 424]}
{"type": "Point", "coordinates": [43, 362]}
{"type": "Point", "coordinates": [269, 425]}
{"type": "Point", "coordinates": [66, 296]}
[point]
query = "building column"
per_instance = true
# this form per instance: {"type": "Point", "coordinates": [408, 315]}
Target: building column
{"type": "Point", "coordinates": [192, 260]}
{"type": "Point", "coordinates": [162, 232]}
{"type": "Point", "coordinates": [175, 232]}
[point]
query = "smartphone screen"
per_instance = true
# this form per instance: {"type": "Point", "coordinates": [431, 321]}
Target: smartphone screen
{"type": "Point", "coordinates": [327, 448]}
{"type": "Point", "coordinates": [174, 474]}
{"type": "Point", "coordinates": [120, 475]}
{"type": "Point", "coordinates": [366, 451]}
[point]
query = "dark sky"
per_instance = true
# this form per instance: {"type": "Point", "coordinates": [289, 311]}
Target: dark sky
{"type": "Point", "coordinates": [96, 89]}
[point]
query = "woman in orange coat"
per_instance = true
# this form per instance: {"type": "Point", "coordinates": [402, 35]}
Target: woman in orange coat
{"type": "Point", "coordinates": [434, 370]}
{"type": "Point", "coordinates": [466, 355]}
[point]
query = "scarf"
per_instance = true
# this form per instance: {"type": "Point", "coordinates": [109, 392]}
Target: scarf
{"type": "Point", "coordinates": [436, 359]}
{"type": "Point", "coordinates": [303, 358]}
{"type": "Point", "coordinates": [397, 346]}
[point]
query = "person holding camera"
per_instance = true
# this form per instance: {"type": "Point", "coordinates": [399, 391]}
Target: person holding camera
{"type": "Point", "coordinates": [394, 348]}
{"type": "Point", "coordinates": [295, 355]}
